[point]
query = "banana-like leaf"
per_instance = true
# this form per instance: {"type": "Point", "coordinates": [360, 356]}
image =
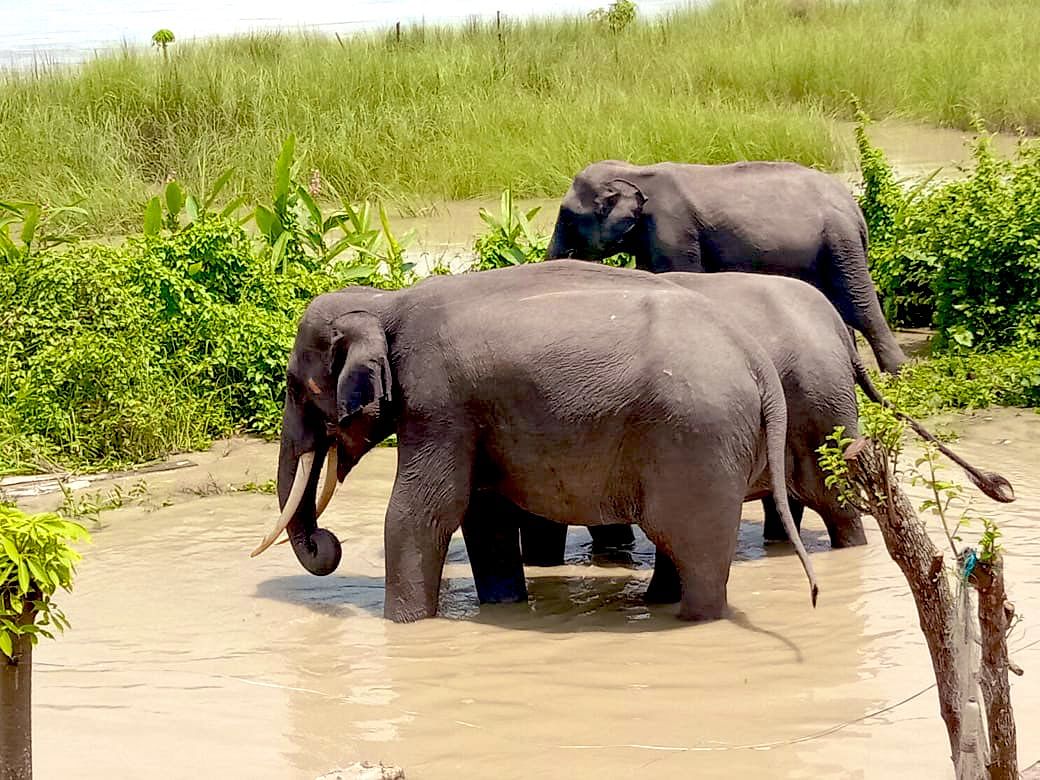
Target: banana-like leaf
{"type": "Point", "coordinates": [153, 217]}
{"type": "Point", "coordinates": [268, 222]}
{"type": "Point", "coordinates": [30, 219]}
{"type": "Point", "coordinates": [283, 169]}
{"type": "Point", "coordinates": [174, 198]}
{"type": "Point", "coordinates": [191, 206]}
{"type": "Point", "coordinates": [218, 185]}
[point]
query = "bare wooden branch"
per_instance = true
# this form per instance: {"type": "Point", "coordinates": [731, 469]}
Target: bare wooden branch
{"type": "Point", "coordinates": [920, 561]}
{"type": "Point", "coordinates": [995, 615]}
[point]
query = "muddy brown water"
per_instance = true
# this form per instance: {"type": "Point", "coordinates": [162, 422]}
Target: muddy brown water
{"type": "Point", "coordinates": [187, 659]}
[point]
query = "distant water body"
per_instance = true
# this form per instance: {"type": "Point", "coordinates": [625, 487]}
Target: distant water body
{"type": "Point", "coordinates": [71, 31]}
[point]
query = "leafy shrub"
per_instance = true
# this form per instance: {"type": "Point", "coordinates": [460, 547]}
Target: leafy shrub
{"type": "Point", "coordinates": [510, 238]}
{"type": "Point", "coordinates": [1008, 377]}
{"type": "Point", "coordinates": [963, 255]}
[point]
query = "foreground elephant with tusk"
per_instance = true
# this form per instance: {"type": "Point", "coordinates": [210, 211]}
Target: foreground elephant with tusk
{"type": "Point", "coordinates": [585, 394]}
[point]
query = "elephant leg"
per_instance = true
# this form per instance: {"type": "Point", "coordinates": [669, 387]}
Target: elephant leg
{"type": "Point", "coordinates": [543, 541]}
{"type": "Point", "coordinates": [773, 527]}
{"type": "Point", "coordinates": [429, 501]}
{"type": "Point", "coordinates": [851, 290]}
{"type": "Point", "coordinates": [700, 536]}
{"type": "Point", "coordinates": [844, 524]}
{"type": "Point", "coordinates": [492, 539]}
{"type": "Point", "coordinates": [664, 587]}
{"type": "Point", "coordinates": [610, 537]}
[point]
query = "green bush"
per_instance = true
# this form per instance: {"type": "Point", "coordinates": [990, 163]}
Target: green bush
{"type": "Point", "coordinates": [963, 255]}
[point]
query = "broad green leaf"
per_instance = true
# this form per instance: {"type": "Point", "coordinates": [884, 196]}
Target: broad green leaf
{"type": "Point", "coordinates": [174, 199]}
{"type": "Point", "coordinates": [278, 256]}
{"type": "Point", "coordinates": [234, 205]}
{"type": "Point", "coordinates": [283, 168]}
{"type": "Point", "coordinates": [191, 206]}
{"type": "Point", "coordinates": [312, 208]}
{"type": "Point", "coordinates": [31, 218]}
{"type": "Point", "coordinates": [268, 222]}
{"type": "Point", "coordinates": [357, 272]}
{"type": "Point", "coordinates": [23, 577]}
{"type": "Point", "coordinates": [153, 217]}
{"type": "Point", "coordinates": [218, 185]}
{"type": "Point", "coordinates": [6, 645]}
{"type": "Point", "coordinates": [11, 550]}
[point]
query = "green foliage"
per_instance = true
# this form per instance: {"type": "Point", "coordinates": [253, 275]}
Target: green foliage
{"type": "Point", "coordinates": [835, 466]}
{"type": "Point", "coordinates": [963, 255]}
{"type": "Point", "coordinates": [177, 202]}
{"type": "Point", "coordinates": [38, 227]}
{"type": "Point", "coordinates": [35, 561]}
{"type": "Point", "coordinates": [615, 17]}
{"type": "Point", "coordinates": [964, 380]}
{"type": "Point", "coordinates": [162, 38]}
{"type": "Point", "coordinates": [510, 238]}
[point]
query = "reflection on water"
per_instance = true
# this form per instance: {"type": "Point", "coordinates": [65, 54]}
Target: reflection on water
{"type": "Point", "coordinates": [186, 658]}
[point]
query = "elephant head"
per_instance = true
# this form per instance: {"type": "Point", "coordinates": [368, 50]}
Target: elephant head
{"type": "Point", "coordinates": [599, 215]}
{"type": "Point", "coordinates": [337, 407]}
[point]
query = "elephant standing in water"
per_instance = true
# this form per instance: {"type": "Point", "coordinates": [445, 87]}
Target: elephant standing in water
{"type": "Point", "coordinates": [819, 368]}
{"type": "Point", "coordinates": [585, 394]}
{"type": "Point", "coordinates": [763, 217]}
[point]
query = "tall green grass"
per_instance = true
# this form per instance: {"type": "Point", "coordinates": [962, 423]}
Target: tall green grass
{"type": "Point", "coordinates": [464, 112]}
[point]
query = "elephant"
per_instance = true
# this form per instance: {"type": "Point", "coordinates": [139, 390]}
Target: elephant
{"type": "Point", "coordinates": [585, 394]}
{"type": "Point", "coordinates": [765, 217]}
{"type": "Point", "coordinates": [820, 369]}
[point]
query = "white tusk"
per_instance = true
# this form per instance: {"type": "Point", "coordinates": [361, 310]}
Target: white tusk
{"type": "Point", "coordinates": [299, 485]}
{"type": "Point", "coordinates": [328, 487]}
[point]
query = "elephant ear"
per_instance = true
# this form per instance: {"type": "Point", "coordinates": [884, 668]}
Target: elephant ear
{"type": "Point", "coordinates": [619, 207]}
{"type": "Point", "coordinates": [360, 353]}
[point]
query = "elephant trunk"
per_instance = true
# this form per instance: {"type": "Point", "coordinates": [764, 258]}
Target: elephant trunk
{"type": "Point", "coordinates": [317, 549]}
{"type": "Point", "coordinates": [556, 248]}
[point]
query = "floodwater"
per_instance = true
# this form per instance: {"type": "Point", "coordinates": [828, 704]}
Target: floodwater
{"type": "Point", "coordinates": [72, 31]}
{"type": "Point", "coordinates": [187, 659]}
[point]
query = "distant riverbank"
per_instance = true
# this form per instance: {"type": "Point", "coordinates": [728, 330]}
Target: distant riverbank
{"type": "Point", "coordinates": [456, 113]}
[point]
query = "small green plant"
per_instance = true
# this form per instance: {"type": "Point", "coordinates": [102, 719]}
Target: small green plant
{"type": "Point", "coordinates": [177, 202]}
{"type": "Point", "coordinates": [615, 17]}
{"type": "Point", "coordinates": [89, 506]}
{"type": "Point", "coordinates": [161, 39]}
{"type": "Point", "coordinates": [36, 560]}
{"type": "Point", "coordinates": [38, 227]}
{"type": "Point", "coordinates": [269, 487]}
{"type": "Point", "coordinates": [510, 238]}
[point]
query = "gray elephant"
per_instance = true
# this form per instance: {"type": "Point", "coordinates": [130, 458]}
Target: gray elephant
{"type": "Point", "coordinates": [819, 368]}
{"type": "Point", "coordinates": [585, 394]}
{"type": "Point", "coordinates": [763, 217]}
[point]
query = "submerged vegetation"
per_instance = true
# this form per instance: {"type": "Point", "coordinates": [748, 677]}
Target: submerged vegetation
{"type": "Point", "coordinates": [468, 111]}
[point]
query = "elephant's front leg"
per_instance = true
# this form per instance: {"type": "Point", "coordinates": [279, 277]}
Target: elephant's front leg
{"type": "Point", "coordinates": [773, 527]}
{"type": "Point", "coordinates": [492, 536]}
{"type": "Point", "coordinates": [429, 501]}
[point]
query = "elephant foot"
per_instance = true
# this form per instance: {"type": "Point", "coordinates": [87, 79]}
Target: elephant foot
{"type": "Point", "coordinates": [849, 534]}
{"type": "Point", "coordinates": [611, 537]}
{"type": "Point", "coordinates": [501, 590]}
{"type": "Point", "coordinates": [664, 587]}
{"type": "Point", "coordinates": [773, 530]}
{"type": "Point", "coordinates": [542, 541]}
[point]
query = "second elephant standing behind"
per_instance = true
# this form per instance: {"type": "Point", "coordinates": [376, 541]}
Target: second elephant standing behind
{"type": "Point", "coordinates": [762, 217]}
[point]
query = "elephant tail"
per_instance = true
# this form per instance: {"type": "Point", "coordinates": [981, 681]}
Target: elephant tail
{"type": "Point", "coordinates": [992, 484]}
{"type": "Point", "coordinates": [774, 418]}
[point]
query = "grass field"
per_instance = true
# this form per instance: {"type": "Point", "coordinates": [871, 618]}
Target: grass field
{"type": "Point", "coordinates": [464, 112]}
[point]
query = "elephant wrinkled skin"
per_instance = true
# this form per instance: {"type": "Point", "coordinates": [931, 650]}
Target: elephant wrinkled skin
{"type": "Point", "coordinates": [763, 217]}
{"type": "Point", "coordinates": [585, 394]}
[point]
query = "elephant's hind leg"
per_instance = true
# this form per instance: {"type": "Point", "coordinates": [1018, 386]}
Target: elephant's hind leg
{"type": "Point", "coordinates": [700, 536]}
{"type": "Point", "coordinates": [429, 501]}
{"type": "Point", "coordinates": [491, 532]}
{"type": "Point", "coordinates": [773, 527]}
